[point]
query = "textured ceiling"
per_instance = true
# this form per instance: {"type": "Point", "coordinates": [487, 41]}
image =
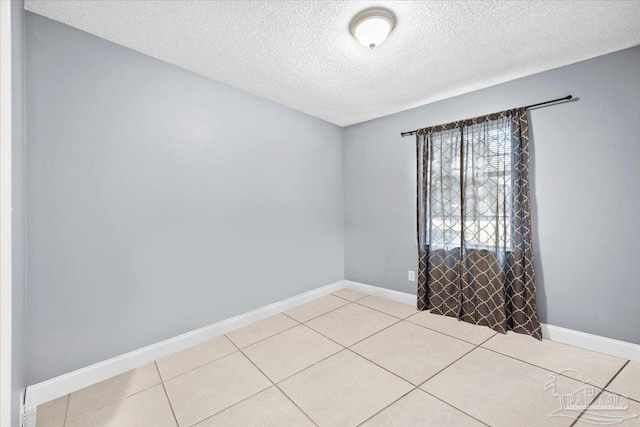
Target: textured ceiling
{"type": "Point", "coordinates": [301, 54]}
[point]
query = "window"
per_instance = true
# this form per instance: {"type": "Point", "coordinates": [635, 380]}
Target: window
{"type": "Point", "coordinates": [476, 159]}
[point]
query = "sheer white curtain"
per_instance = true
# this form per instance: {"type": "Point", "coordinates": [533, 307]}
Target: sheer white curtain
{"type": "Point", "coordinates": [474, 228]}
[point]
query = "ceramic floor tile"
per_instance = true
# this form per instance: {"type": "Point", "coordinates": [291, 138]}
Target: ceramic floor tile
{"type": "Point", "coordinates": [343, 390]}
{"type": "Point", "coordinates": [611, 409]}
{"type": "Point", "coordinates": [269, 408]}
{"type": "Point", "coordinates": [349, 294]}
{"type": "Point", "coordinates": [52, 414]}
{"type": "Point", "coordinates": [147, 408]}
{"type": "Point", "coordinates": [350, 324]}
{"type": "Point", "coordinates": [107, 392]}
{"type": "Point", "coordinates": [260, 330]}
{"type": "Point", "coordinates": [194, 357]}
{"type": "Point", "coordinates": [203, 392]}
{"type": "Point", "coordinates": [501, 391]}
{"type": "Point", "coordinates": [572, 361]}
{"type": "Point", "coordinates": [420, 409]}
{"type": "Point", "coordinates": [289, 352]}
{"type": "Point", "coordinates": [412, 352]}
{"type": "Point", "coordinates": [315, 308]}
{"type": "Point", "coordinates": [390, 307]}
{"type": "Point", "coordinates": [628, 381]}
{"type": "Point", "coordinates": [451, 326]}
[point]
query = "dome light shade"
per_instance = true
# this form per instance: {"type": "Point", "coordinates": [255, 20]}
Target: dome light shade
{"type": "Point", "coordinates": [372, 26]}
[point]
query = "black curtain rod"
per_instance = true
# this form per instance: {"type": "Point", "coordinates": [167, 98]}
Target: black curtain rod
{"type": "Point", "coordinates": [566, 98]}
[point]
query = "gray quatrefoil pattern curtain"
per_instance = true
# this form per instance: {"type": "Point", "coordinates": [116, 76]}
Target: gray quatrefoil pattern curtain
{"type": "Point", "coordinates": [474, 222]}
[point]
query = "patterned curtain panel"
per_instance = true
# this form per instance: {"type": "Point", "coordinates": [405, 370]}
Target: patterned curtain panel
{"type": "Point", "coordinates": [474, 222]}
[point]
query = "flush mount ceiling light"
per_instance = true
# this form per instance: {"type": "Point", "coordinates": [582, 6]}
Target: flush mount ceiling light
{"type": "Point", "coordinates": [372, 26]}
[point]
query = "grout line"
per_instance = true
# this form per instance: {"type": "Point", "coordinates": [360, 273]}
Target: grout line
{"type": "Point", "coordinates": [262, 339]}
{"type": "Point", "coordinates": [451, 336]}
{"type": "Point", "coordinates": [326, 312]}
{"type": "Point", "coordinates": [541, 367]}
{"type": "Point", "coordinates": [276, 386]}
{"type": "Point", "coordinates": [446, 367]}
{"type": "Point", "coordinates": [166, 394]}
{"type": "Point", "coordinates": [342, 348]}
{"type": "Point", "coordinates": [492, 336]}
{"type": "Point", "coordinates": [347, 299]}
{"type": "Point", "coordinates": [230, 406]}
{"type": "Point", "coordinates": [286, 315]}
{"type": "Point", "coordinates": [456, 408]}
{"type": "Point", "coordinates": [410, 391]}
{"type": "Point", "coordinates": [294, 403]}
{"type": "Point", "coordinates": [432, 376]}
{"type": "Point", "coordinates": [342, 345]}
{"type": "Point", "coordinates": [415, 387]}
{"type": "Point", "coordinates": [384, 312]}
{"type": "Point", "coordinates": [324, 336]}
{"type": "Point", "coordinates": [351, 345]}
{"type": "Point", "coordinates": [399, 320]}
{"type": "Point", "coordinates": [375, 333]}
{"type": "Point", "coordinates": [352, 302]}
{"type": "Point", "coordinates": [598, 395]}
{"type": "Point", "coordinates": [239, 401]}
{"type": "Point", "coordinates": [616, 374]}
{"type": "Point", "coordinates": [406, 319]}
{"type": "Point", "coordinates": [382, 367]}
{"type": "Point", "coordinates": [66, 410]}
{"type": "Point", "coordinates": [291, 317]}
{"type": "Point", "coordinates": [110, 404]}
{"type": "Point", "coordinates": [637, 400]}
{"type": "Point", "coordinates": [311, 366]}
{"type": "Point", "coordinates": [197, 367]}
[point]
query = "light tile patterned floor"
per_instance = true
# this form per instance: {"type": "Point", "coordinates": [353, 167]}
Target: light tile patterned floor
{"type": "Point", "coordinates": [350, 359]}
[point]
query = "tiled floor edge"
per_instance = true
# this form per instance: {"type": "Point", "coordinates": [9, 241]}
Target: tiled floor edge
{"type": "Point", "coordinates": [378, 291]}
{"type": "Point", "coordinates": [65, 384]}
{"type": "Point", "coordinates": [600, 344]}
{"type": "Point", "coordinates": [51, 389]}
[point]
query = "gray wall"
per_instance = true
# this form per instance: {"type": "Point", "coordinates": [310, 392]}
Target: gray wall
{"type": "Point", "coordinates": [586, 191]}
{"type": "Point", "coordinates": [18, 218]}
{"type": "Point", "coordinates": [160, 201]}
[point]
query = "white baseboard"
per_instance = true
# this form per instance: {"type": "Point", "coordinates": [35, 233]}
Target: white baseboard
{"type": "Point", "coordinates": [76, 380]}
{"type": "Point", "coordinates": [622, 349]}
{"type": "Point", "coordinates": [81, 378]}
{"type": "Point", "coordinates": [385, 293]}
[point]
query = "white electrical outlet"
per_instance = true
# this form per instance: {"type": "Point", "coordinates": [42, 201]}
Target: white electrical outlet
{"type": "Point", "coordinates": [412, 276]}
